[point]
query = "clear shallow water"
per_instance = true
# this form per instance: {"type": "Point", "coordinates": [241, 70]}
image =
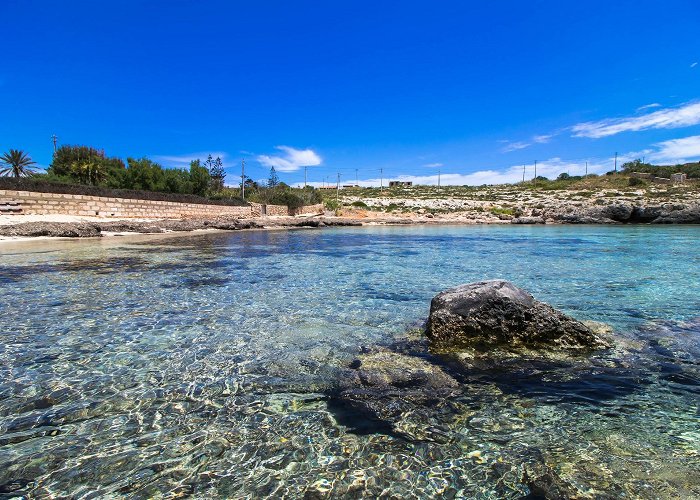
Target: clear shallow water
{"type": "Point", "coordinates": [202, 364]}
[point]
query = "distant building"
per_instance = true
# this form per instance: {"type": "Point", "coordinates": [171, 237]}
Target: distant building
{"type": "Point", "coordinates": [400, 184]}
{"type": "Point", "coordinates": [351, 185]}
{"type": "Point", "coordinates": [678, 178]}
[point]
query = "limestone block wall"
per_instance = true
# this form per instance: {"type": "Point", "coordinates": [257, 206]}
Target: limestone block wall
{"type": "Point", "coordinates": [308, 209]}
{"type": "Point", "coordinates": [257, 209]}
{"type": "Point", "coordinates": [34, 203]}
{"type": "Point", "coordinates": [276, 210]}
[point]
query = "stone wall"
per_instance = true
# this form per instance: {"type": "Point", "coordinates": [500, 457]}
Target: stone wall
{"type": "Point", "coordinates": [308, 209]}
{"type": "Point", "coordinates": [276, 210]}
{"type": "Point", "coordinates": [33, 203]}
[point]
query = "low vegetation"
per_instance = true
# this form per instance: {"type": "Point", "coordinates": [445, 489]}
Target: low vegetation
{"type": "Point", "coordinates": [89, 171]}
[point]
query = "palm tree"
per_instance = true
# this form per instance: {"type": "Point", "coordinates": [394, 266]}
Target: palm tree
{"type": "Point", "coordinates": [17, 164]}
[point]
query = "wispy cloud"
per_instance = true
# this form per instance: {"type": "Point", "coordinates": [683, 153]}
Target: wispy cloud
{"type": "Point", "coordinates": [514, 146]}
{"type": "Point", "coordinates": [183, 161]}
{"type": "Point", "coordinates": [434, 165]}
{"type": "Point", "coordinates": [677, 150]}
{"type": "Point", "coordinates": [682, 116]}
{"type": "Point", "coordinates": [693, 65]}
{"type": "Point", "coordinates": [291, 160]}
{"type": "Point", "coordinates": [648, 106]}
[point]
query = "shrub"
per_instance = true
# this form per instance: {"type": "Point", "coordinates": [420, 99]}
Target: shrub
{"type": "Point", "coordinates": [40, 185]}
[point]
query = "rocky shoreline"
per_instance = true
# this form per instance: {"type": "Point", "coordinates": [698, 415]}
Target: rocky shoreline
{"type": "Point", "coordinates": [90, 229]}
{"type": "Point", "coordinates": [616, 213]}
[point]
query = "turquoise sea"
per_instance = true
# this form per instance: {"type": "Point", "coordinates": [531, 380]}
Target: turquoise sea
{"type": "Point", "coordinates": [204, 365]}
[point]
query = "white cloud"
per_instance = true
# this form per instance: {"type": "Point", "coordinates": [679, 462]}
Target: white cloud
{"type": "Point", "coordinates": [537, 139]}
{"type": "Point", "coordinates": [693, 65]}
{"type": "Point", "coordinates": [677, 150]}
{"type": "Point", "coordinates": [434, 165]}
{"type": "Point", "coordinates": [514, 146]}
{"type": "Point", "coordinates": [682, 116]}
{"type": "Point", "coordinates": [292, 160]}
{"type": "Point", "coordinates": [648, 106]}
{"type": "Point", "coordinates": [550, 168]}
{"type": "Point", "coordinates": [183, 161]}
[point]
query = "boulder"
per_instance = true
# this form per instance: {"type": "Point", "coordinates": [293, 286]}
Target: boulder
{"type": "Point", "coordinates": [496, 313]}
{"type": "Point", "coordinates": [619, 212]}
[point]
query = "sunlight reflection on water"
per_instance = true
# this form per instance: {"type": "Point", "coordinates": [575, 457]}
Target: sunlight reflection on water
{"type": "Point", "coordinates": [201, 364]}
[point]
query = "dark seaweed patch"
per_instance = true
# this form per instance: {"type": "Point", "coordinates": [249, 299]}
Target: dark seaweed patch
{"type": "Point", "coordinates": [358, 419]}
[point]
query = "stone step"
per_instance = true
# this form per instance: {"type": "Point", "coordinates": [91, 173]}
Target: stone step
{"type": "Point", "coordinates": [10, 207]}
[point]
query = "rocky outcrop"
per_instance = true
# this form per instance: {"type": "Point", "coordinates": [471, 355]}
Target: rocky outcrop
{"type": "Point", "coordinates": [62, 230]}
{"type": "Point", "coordinates": [491, 313]}
{"type": "Point", "coordinates": [628, 213]}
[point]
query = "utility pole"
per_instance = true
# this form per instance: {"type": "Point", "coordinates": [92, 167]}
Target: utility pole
{"type": "Point", "coordinates": [305, 175]}
{"type": "Point", "coordinates": [357, 178]}
{"type": "Point", "coordinates": [535, 178]}
{"type": "Point", "coordinates": [381, 180]}
{"type": "Point", "coordinates": [615, 161]}
{"type": "Point", "coordinates": [243, 178]}
{"type": "Point", "coordinates": [55, 140]}
{"type": "Point", "coordinates": [523, 173]}
{"type": "Point", "coordinates": [586, 169]}
{"type": "Point", "coordinates": [439, 179]}
{"type": "Point", "coordinates": [337, 189]}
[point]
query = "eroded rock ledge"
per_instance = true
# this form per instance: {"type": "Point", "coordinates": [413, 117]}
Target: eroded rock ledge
{"type": "Point", "coordinates": [95, 229]}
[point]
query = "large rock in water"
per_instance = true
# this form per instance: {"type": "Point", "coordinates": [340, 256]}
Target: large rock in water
{"type": "Point", "coordinates": [492, 313]}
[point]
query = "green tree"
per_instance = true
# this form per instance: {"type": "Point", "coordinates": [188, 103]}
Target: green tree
{"type": "Point", "coordinates": [71, 162]}
{"type": "Point", "coordinates": [88, 171]}
{"type": "Point", "coordinates": [16, 164]}
{"type": "Point", "coordinates": [273, 180]}
{"type": "Point", "coordinates": [250, 183]}
{"type": "Point", "coordinates": [144, 174]}
{"type": "Point", "coordinates": [216, 172]}
{"type": "Point", "coordinates": [200, 178]}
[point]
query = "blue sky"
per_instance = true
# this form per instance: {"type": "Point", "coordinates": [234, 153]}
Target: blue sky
{"type": "Point", "coordinates": [474, 90]}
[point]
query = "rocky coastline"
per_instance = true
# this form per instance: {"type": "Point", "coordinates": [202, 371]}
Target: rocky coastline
{"type": "Point", "coordinates": [616, 213]}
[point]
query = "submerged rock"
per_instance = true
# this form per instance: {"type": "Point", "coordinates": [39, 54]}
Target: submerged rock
{"type": "Point", "coordinates": [390, 370]}
{"type": "Point", "coordinates": [491, 313]}
{"type": "Point", "coordinates": [403, 394]}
